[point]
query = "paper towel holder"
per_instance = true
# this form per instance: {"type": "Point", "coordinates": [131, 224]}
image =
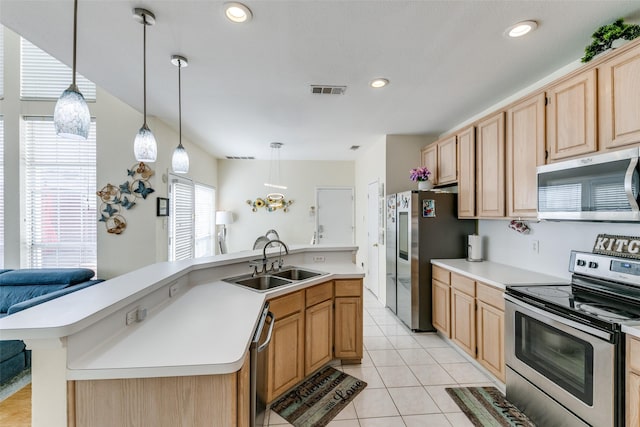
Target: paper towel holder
{"type": "Point", "coordinates": [478, 241]}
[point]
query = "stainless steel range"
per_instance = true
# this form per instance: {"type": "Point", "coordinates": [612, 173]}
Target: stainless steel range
{"type": "Point", "coordinates": [564, 346]}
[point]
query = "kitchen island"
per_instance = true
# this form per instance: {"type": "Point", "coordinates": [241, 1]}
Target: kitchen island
{"type": "Point", "coordinates": [167, 321]}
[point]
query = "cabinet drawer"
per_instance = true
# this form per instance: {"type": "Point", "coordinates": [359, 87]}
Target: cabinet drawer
{"type": "Point", "coordinates": [490, 295]}
{"type": "Point", "coordinates": [348, 288]}
{"type": "Point", "coordinates": [319, 293]}
{"type": "Point", "coordinates": [633, 354]}
{"type": "Point", "coordinates": [440, 274]}
{"type": "Point", "coordinates": [284, 306]}
{"type": "Point", "coordinates": [463, 284]}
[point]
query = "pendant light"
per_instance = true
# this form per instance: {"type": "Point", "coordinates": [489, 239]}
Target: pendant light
{"type": "Point", "coordinates": [180, 158]}
{"type": "Point", "coordinates": [144, 146]}
{"type": "Point", "coordinates": [275, 196]}
{"type": "Point", "coordinates": [71, 115]}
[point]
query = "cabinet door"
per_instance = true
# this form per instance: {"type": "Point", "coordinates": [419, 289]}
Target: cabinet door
{"type": "Point", "coordinates": [525, 152]}
{"type": "Point", "coordinates": [441, 307]}
{"type": "Point", "coordinates": [490, 168]}
{"type": "Point", "coordinates": [318, 336]}
{"type": "Point", "coordinates": [633, 400]}
{"type": "Point", "coordinates": [619, 100]}
{"type": "Point", "coordinates": [429, 156]}
{"type": "Point", "coordinates": [285, 361]}
{"type": "Point", "coordinates": [348, 327]}
{"type": "Point", "coordinates": [463, 321]}
{"type": "Point", "coordinates": [571, 117]}
{"type": "Point", "coordinates": [447, 161]}
{"type": "Point", "coordinates": [490, 325]}
{"type": "Point", "coordinates": [467, 173]}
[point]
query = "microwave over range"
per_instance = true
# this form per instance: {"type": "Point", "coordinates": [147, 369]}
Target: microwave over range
{"type": "Point", "coordinates": [603, 187]}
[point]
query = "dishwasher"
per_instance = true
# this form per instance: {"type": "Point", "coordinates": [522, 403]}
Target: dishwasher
{"type": "Point", "coordinates": [258, 406]}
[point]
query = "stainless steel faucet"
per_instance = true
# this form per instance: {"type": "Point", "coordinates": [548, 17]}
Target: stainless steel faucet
{"type": "Point", "coordinates": [264, 261]}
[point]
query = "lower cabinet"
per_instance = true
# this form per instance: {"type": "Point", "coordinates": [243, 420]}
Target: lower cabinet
{"type": "Point", "coordinates": [463, 313]}
{"type": "Point", "coordinates": [633, 382]}
{"type": "Point", "coordinates": [318, 348]}
{"type": "Point", "coordinates": [348, 320]}
{"type": "Point", "coordinates": [203, 400]}
{"type": "Point", "coordinates": [490, 330]}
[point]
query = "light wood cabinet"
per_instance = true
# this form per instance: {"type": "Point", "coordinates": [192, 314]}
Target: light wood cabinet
{"type": "Point", "coordinates": [633, 382]}
{"type": "Point", "coordinates": [447, 161]}
{"type": "Point", "coordinates": [490, 167]}
{"type": "Point", "coordinates": [429, 157]}
{"type": "Point", "coordinates": [490, 329]}
{"type": "Point", "coordinates": [348, 320]}
{"type": "Point", "coordinates": [525, 151]}
{"type": "Point", "coordinates": [318, 336]}
{"type": "Point", "coordinates": [619, 100]}
{"type": "Point", "coordinates": [441, 300]}
{"type": "Point", "coordinates": [467, 173]}
{"type": "Point", "coordinates": [463, 313]}
{"type": "Point", "coordinates": [572, 117]}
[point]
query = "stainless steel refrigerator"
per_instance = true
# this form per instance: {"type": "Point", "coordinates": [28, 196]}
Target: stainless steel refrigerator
{"type": "Point", "coordinates": [391, 252]}
{"type": "Point", "coordinates": [427, 227]}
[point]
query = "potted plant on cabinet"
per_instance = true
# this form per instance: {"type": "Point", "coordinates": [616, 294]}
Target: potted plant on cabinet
{"type": "Point", "coordinates": [605, 37]}
{"type": "Point", "coordinates": [421, 175]}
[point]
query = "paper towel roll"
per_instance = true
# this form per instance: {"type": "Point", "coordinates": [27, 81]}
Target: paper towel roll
{"type": "Point", "coordinates": [474, 248]}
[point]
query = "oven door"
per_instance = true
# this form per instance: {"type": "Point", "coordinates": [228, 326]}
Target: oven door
{"type": "Point", "coordinates": [571, 362]}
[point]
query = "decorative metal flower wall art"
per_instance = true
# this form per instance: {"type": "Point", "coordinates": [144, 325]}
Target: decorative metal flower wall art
{"type": "Point", "coordinates": [124, 196]}
{"type": "Point", "coordinates": [270, 204]}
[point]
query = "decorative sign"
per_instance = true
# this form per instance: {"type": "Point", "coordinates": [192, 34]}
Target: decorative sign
{"type": "Point", "coordinates": [620, 246]}
{"type": "Point", "coordinates": [428, 208]}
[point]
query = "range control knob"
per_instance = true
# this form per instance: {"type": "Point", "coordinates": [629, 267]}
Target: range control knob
{"type": "Point", "coordinates": [593, 264]}
{"type": "Point", "coordinates": [581, 263]}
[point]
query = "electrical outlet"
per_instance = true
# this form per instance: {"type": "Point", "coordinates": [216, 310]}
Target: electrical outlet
{"type": "Point", "coordinates": [318, 259]}
{"type": "Point", "coordinates": [132, 316]}
{"type": "Point", "coordinates": [535, 246]}
{"type": "Point", "coordinates": [173, 290]}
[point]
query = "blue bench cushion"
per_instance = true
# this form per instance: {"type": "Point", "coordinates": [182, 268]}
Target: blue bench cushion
{"type": "Point", "coordinates": [46, 276]}
{"type": "Point", "coordinates": [11, 294]}
{"type": "Point", "coordinates": [10, 348]}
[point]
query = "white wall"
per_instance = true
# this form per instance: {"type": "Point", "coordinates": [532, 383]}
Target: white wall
{"type": "Point", "coordinates": [402, 155]}
{"type": "Point", "coordinates": [242, 180]}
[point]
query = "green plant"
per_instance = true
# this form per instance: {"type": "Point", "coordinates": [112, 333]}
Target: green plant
{"type": "Point", "coordinates": [604, 37]}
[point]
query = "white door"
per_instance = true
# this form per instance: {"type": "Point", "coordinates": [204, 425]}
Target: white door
{"type": "Point", "coordinates": [373, 230]}
{"type": "Point", "coordinates": [334, 219]}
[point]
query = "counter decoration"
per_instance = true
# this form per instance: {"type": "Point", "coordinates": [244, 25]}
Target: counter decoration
{"type": "Point", "coordinates": [115, 198]}
{"type": "Point", "coordinates": [607, 36]}
{"type": "Point", "coordinates": [271, 204]}
{"type": "Point", "coordinates": [421, 175]}
{"type": "Point", "coordinates": [618, 246]}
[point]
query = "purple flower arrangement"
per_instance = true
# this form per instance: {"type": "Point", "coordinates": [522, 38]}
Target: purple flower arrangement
{"type": "Point", "coordinates": [419, 174]}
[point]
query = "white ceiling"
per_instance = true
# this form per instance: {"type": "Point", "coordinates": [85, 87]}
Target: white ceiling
{"type": "Point", "coordinates": [248, 84]}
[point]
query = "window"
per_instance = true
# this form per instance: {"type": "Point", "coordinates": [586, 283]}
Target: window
{"type": "Point", "coordinates": [60, 183]}
{"type": "Point", "coordinates": [205, 224]}
{"type": "Point", "coordinates": [1, 189]}
{"type": "Point", "coordinates": [1, 62]}
{"type": "Point", "coordinates": [44, 77]}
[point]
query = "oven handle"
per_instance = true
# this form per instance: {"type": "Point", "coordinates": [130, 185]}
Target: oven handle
{"type": "Point", "coordinates": [567, 322]}
{"type": "Point", "coordinates": [628, 187]}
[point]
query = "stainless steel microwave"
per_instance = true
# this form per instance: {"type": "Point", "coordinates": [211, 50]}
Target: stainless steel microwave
{"type": "Point", "coordinates": [603, 187]}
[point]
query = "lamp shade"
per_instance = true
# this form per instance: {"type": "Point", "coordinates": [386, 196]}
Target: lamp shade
{"type": "Point", "coordinates": [71, 115]}
{"type": "Point", "coordinates": [180, 160]}
{"type": "Point", "coordinates": [224, 217]}
{"type": "Point", "coordinates": [144, 146]}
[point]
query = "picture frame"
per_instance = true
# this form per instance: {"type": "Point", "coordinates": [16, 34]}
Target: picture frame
{"type": "Point", "coordinates": [162, 206]}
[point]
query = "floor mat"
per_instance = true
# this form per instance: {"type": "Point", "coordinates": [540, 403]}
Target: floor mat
{"type": "Point", "coordinates": [487, 407]}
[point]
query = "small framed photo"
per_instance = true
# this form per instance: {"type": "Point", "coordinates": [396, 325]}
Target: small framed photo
{"type": "Point", "coordinates": [162, 206]}
{"type": "Point", "coordinates": [428, 208]}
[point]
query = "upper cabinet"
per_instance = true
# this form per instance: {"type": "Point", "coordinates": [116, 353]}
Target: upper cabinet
{"type": "Point", "coordinates": [525, 152]}
{"type": "Point", "coordinates": [429, 156]}
{"type": "Point", "coordinates": [447, 161]}
{"type": "Point", "coordinates": [490, 166]}
{"type": "Point", "coordinates": [467, 173]}
{"type": "Point", "coordinates": [572, 116]}
{"type": "Point", "coordinates": [619, 100]}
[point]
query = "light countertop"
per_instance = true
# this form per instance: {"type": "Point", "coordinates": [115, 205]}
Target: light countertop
{"type": "Point", "coordinates": [494, 274]}
{"type": "Point", "coordinates": [633, 330]}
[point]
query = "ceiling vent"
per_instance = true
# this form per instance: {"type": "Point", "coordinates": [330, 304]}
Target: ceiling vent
{"type": "Point", "coordinates": [328, 90]}
{"type": "Point", "coordinates": [240, 158]}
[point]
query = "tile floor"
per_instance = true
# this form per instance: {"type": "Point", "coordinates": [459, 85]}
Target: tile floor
{"type": "Point", "coordinates": [406, 375]}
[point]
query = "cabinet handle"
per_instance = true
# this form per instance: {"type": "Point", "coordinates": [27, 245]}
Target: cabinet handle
{"type": "Point", "coordinates": [268, 339]}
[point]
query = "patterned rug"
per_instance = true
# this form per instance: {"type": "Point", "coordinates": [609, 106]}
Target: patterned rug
{"type": "Point", "coordinates": [319, 398]}
{"type": "Point", "coordinates": [487, 407]}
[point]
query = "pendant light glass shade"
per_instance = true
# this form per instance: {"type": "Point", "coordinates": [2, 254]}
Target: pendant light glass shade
{"type": "Point", "coordinates": [145, 147]}
{"type": "Point", "coordinates": [180, 159]}
{"type": "Point", "coordinates": [71, 115]}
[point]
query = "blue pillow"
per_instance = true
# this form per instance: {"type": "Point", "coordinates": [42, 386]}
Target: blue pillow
{"type": "Point", "coordinates": [46, 276]}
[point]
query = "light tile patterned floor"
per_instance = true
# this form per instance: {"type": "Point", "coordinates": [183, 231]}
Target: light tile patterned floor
{"type": "Point", "coordinates": [406, 375]}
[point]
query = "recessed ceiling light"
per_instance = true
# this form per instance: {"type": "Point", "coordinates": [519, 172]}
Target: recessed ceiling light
{"type": "Point", "coordinates": [521, 28]}
{"type": "Point", "coordinates": [378, 83]}
{"type": "Point", "coordinates": [237, 12]}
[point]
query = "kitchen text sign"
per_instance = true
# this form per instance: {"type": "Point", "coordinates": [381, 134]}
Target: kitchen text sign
{"type": "Point", "coordinates": [621, 246]}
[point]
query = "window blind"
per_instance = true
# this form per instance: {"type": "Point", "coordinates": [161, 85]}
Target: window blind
{"type": "Point", "coordinates": [181, 237]}
{"type": "Point", "coordinates": [205, 224]}
{"type": "Point", "coordinates": [1, 188]}
{"type": "Point", "coordinates": [44, 77]}
{"type": "Point", "coordinates": [60, 183]}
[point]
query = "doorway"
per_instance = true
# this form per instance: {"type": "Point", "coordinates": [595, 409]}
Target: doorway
{"type": "Point", "coordinates": [335, 215]}
{"type": "Point", "coordinates": [373, 231]}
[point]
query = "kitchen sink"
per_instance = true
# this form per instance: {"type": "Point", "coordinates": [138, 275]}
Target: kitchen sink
{"type": "Point", "coordinates": [264, 282]}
